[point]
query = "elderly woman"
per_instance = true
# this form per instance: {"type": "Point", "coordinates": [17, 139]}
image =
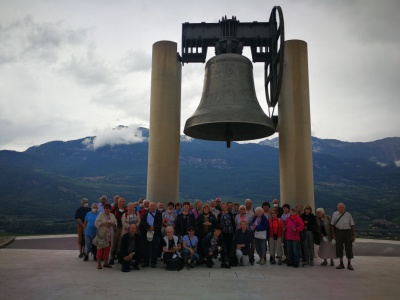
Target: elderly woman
{"type": "Point", "coordinates": [326, 249]}
{"type": "Point", "coordinates": [275, 236]}
{"type": "Point", "coordinates": [105, 224]}
{"type": "Point", "coordinates": [259, 225]}
{"type": "Point", "coordinates": [129, 217]}
{"type": "Point", "coordinates": [169, 216]}
{"type": "Point", "coordinates": [241, 241]}
{"type": "Point", "coordinates": [205, 223]}
{"type": "Point", "coordinates": [293, 226]}
{"type": "Point", "coordinates": [198, 209]}
{"type": "Point", "coordinates": [311, 230]}
{"type": "Point", "coordinates": [90, 230]}
{"type": "Point", "coordinates": [170, 244]}
{"type": "Point", "coordinates": [242, 216]}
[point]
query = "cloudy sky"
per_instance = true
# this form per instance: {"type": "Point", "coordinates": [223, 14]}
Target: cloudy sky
{"type": "Point", "coordinates": [72, 68]}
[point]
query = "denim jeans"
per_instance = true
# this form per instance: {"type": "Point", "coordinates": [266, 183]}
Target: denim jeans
{"type": "Point", "coordinates": [308, 246]}
{"type": "Point", "coordinates": [88, 244]}
{"type": "Point", "coordinates": [186, 253]}
{"type": "Point", "coordinates": [293, 249]}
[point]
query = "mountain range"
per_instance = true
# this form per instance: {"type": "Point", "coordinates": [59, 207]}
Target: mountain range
{"type": "Point", "coordinates": [41, 188]}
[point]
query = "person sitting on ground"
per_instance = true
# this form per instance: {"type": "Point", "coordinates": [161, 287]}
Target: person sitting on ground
{"type": "Point", "coordinates": [259, 225]}
{"type": "Point", "coordinates": [241, 242]}
{"type": "Point", "coordinates": [189, 245]}
{"type": "Point", "coordinates": [131, 249]}
{"type": "Point", "coordinates": [326, 249]}
{"type": "Point", "coordinates": [170, 245]}
{"type": "Point", "coordinates": [90, 230]}
{"type": "Point", "coordinates": [213, 244]}
{"type": "Point", "coordinates": [275, 237]}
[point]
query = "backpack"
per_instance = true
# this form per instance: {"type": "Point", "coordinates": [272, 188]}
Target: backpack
{"type": "Point", "coordinates": [174, 264]}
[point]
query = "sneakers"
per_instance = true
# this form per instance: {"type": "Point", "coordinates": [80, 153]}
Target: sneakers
{"type": "Point", "coordinates": [340, 266]}
{"type": "Point", "coordinates": [86, 258]}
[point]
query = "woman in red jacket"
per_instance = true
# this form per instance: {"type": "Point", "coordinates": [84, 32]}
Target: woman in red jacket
{"type": "Point", "coordinates": [275, 236]}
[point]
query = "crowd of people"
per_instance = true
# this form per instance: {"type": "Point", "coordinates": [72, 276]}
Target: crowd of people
{"type": "Point", "coordinates": [192, 234]}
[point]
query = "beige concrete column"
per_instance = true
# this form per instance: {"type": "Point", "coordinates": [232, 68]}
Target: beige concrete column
{"type": "Point", "coordinates": [165, 116]}
{"type": "Point", "coordinates": [295, 148]}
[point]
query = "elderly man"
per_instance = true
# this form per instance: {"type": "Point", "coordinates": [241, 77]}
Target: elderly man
{"type": "Point", "coordinates": [118, 211]}
{"type": "Point", "coordinates": [249, 208]}
{"type": "Point", "coordinates": [80, 215]}
{"type": "Point", "coordinates": [213, 208]}
{"type": "Point", "coordinates": [150, 228]}
{"type": "Point", "coordinates": [100, 205]}
{"type": "Point", "coordinates": [131, 249]}
{"type": "Point", "coordinates": [144, 209]}
{"type": "Point", "coordinates": [343, 229]}
{"type": "Point", "coordinates": [275, 204]}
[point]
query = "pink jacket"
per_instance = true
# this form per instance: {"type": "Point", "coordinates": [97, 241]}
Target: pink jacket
{"type": "Point", "coordinates": [291, 221]}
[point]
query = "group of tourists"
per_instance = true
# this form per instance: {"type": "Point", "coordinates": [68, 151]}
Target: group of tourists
{"type": "Point", "coordinates": [188, 235]}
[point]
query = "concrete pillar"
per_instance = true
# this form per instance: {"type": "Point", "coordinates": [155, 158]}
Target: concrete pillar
{"type": "Point", "coordinates": [165, 116]}
{"type": "Point", "coordinates": [295, 148]}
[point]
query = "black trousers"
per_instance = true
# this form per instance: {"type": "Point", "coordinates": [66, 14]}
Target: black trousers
{"type": "Point", "coordinates": [343, 237]}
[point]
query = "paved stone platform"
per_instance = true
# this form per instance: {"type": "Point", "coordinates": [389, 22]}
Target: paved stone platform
{"type": "Point", "coordinates": [59, 274]}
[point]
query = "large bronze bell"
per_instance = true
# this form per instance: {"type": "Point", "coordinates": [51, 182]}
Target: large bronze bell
{"type": "Point", "coordinates": [229, 109]}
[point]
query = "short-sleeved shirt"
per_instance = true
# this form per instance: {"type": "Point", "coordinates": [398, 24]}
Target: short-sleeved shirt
{"type": "Point", "coordinates": [345, 222]}
{"type": "Point", "coordinates": [81, 213]}
{"type": "Point", "coordinates": [191, 243]}
{"type": "Point", "coordinates": [90, 228]}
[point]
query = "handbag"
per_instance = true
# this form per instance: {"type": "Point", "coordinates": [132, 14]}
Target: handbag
{"type": "Point", "coordinates": [262, 234]}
